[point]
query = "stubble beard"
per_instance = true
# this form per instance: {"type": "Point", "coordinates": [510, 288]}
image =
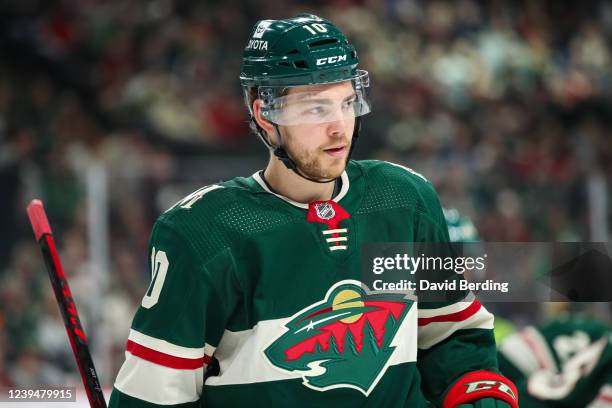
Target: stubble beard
{"type": "Point", "coordinates": [311, 163]}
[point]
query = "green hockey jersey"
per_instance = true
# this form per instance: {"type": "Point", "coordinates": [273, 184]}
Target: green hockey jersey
{"type": "Point", "coordinates": [563, 363]}
{"type": "Point", "coordinates": [270, 289]}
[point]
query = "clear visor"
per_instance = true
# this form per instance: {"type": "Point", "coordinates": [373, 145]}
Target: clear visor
{"type": "Point", "coordinates": [302, 105]}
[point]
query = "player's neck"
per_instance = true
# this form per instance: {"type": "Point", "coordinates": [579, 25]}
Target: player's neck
{"type": "Point", "coordinates": [288, 184]}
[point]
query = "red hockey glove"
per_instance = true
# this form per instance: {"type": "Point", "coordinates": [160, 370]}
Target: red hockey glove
{"type": "Point", "coordinates": [481, 385]}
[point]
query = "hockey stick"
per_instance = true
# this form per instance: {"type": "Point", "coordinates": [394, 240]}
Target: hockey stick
{"type": "Point", "coordinates": [78, 340]}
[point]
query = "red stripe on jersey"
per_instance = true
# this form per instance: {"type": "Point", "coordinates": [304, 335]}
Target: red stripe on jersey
{"type": "Point", "coordinates": [164, 359]}
{"type": "Point", "coordinates": [533, 345]}
{"type": "Point", "coordinates": [452, 317]}
{"type": "Point", "coordinates": [604, 397]}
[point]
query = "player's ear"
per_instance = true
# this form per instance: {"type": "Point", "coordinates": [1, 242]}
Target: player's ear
{"type": "Point", "coordinates": [266, 125]}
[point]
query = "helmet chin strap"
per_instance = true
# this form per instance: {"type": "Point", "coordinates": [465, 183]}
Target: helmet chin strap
{"type": "Point", "coordinates": [284, 157]}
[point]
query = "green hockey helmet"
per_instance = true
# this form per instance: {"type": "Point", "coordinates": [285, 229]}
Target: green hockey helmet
{"type": "Point", "coordinates": [282, 58]}
{"type": "Point", "coordinates": [303, 50]}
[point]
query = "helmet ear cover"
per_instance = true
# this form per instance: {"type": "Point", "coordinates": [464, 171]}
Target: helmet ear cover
{"type": "Point", "coordinates": [250, 95]}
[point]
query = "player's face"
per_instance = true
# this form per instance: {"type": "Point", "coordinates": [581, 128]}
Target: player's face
{"type": "Point", "coordinates": [321, 149]}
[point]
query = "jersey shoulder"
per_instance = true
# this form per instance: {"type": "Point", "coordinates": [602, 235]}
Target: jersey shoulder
{"type": "Point", "coordinates": [382, 168]}
{"type": "Point", "coordinates": [220, 216]}
{"type": "Point", "coordinates": [396, 186]}
{"type": "Point", "coordinates": [206, 201]}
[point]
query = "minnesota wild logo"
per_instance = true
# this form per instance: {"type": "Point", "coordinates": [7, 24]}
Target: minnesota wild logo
{"type": "Point", "coordinates": [343, 341]}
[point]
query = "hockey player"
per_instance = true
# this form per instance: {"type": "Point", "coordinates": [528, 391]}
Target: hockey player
{"type": "Point", "coordinates": [256, 281]}
{"type": "Point", "coordinates": [563, 363]}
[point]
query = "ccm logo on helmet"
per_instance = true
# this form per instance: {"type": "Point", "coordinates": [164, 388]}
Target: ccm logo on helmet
{"type": "Point", "coordinates": [331, 60]}
{"type": "Point", "coordinates": [489, 385]}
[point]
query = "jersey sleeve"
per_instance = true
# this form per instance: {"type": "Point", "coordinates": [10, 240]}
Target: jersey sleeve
{"type": "Point", "coordinates": [455, 335]}
{"type": "Point", "coordinates": [181, 319]}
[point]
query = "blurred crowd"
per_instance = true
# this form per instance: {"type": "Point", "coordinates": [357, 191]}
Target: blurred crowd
{"type": "Point", "coordinates": [503, 104]}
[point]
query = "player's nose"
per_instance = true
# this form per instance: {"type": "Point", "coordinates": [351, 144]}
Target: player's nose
{"type": "Point", "coordinates": [336, 128]}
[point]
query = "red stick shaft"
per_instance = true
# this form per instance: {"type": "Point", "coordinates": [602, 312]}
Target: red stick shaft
{"type": "Point", "coordinates": [76, 334]}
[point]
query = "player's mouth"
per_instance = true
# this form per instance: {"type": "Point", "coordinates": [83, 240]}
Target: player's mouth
{"type": "Point", "coordinates": [337, 151]}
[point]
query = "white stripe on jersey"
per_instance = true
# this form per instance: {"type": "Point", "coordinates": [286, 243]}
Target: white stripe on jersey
{"type": "Point", "coordinates": [435, 332]}
{"type": "Point", "coordinates": [538, 345]}
{"type": "Point", "coordinates": [335, 231]}
{"type": "Point", "coordinates": [518, 352]}
{"type": "Point", "coordinates": [157, 384]}
{"type": "Point", "coordinates": [166, 347]}
{"type": "Point", "coordinates": [188, 201]}
{"type": "Point", "coordinates": [241, 358]}
{"type": "Point", "coordinates": [408, 169]}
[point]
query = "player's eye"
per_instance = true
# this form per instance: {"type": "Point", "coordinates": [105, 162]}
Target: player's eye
{"type": "Point", "coordinates": [318, 110]}
{"type": "Point", "coordinates": [348, 104]}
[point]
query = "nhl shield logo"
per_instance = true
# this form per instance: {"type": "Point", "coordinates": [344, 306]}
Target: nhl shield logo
{"type": "Point", "coordinates": [325, 211]}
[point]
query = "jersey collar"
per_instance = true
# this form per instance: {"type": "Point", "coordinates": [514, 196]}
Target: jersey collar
{"type": "Point", "coordinates": [343, 190]}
